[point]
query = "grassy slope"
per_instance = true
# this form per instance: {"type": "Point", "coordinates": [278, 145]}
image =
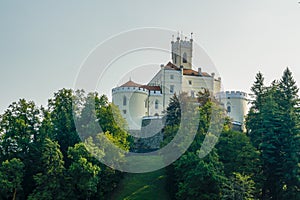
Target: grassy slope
{"type": "Point", "coordinates": [146, 186]}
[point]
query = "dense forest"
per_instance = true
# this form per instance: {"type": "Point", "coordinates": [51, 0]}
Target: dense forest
{"type": "Point", "coordinates": [42, 156]}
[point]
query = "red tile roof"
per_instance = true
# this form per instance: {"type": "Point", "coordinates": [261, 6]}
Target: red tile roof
{"type": "Point", "coordinates": [171, 66]}
{"type": "Point", "coordinates": [131, 84]}
{"type": "Point", "coordinates": [148, 87]}
{"type": "Point", "coordinates": [191, 72]}
{"type": "Point", "coordinates": [152, 88]}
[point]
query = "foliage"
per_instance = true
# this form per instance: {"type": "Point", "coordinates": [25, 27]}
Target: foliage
{"type": "Point", "coordinates": [50, 181]}
{"type": "Point", "coordinates": [83, 173]}
{"type": "Point", "coordinates": [239, 187]}
{"type": "Point", "coordinates": [11, 177]}
{"type": "Point", "coordinates": [273, 125]}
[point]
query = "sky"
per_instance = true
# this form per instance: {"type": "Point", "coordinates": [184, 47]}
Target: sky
{"type": "Point", "coordinates": [43, 44]}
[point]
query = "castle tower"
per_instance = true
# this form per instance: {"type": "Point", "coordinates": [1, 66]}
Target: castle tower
{"type": "Point", "coordinates": [235, 103]}
{"type": "Point", "coordinates": [131, 98]}
{"type": "Point", "coordinates": [182, 51]}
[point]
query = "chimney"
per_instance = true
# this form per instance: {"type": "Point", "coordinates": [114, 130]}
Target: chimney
{"type": "Point", "coordinates": [199, 71]}
{"type": "Point", "coordinates": [213, 75]}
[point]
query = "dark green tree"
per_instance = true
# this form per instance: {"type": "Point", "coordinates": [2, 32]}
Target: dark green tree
{"type": "Point", "coordinates": [254, 117]}
{"type": "Point", "coordinates": [20, 138]}
{"type": "Point", "coordinates": [288, 102]}
{"type": "Point", "coordinates": [239, 187]}
{"type": "Point", "coordinates": [237, 154]}
{"type": "Point", "coordinates": [83, 173]}
{"type": "Point", "coordinates": [11, 178]}
{"type": "Point", "coordinates": [50, 181]}
{"type": "Point", "coordinates": [199, 178]}
{"type": "Point", "coordinates": [273, 126]}
{"type": "Point", "coordinates": [63, 126]}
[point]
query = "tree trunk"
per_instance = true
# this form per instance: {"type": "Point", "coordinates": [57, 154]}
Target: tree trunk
{"type": "Point", "coordinates": [15, 194]}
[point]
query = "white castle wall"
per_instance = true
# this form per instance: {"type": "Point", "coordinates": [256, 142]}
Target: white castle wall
{"type": "Point", "coordinates": [236, 103]}
{"type": "Point", "coordinates": [198, 83]}
{"type": "Point", "coordinates": [136, 104]}
{"type": "Point", "coordinates": [166, 79]}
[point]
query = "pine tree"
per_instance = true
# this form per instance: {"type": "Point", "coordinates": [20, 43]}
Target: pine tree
{"type": "Point", "coordinates": [288, 101]}
{"type": "Point", "coordinates": [254, 117]}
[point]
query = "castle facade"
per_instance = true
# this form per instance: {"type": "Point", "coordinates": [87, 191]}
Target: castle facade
{"type": "Point", "coordinates": [138, 102]}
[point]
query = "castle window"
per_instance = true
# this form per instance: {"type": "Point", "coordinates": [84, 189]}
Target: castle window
{"type": "Point", "coordinates": [171, 76]}
{"type": "Point", "coordinates": [146, 104]}
{"type": "Point", "coordinates": [228, 109]}
{"type": "Point", "coordinates": [184, 58]}
{"type": "Point", "coordinates": [190, 82]}
{"type": "Point", "coordinates": [124, 101]}
{"type": "Point", "coordinates": [171, 88]}
{"type": "Point", "coordinates": [124, 112]}
{"type": "Point", "coordinates": [156, 104]}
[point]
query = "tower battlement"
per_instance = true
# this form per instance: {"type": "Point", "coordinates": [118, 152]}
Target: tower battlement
{"type": "Point", "coordinates": [182, 52]}
{"type": "Point", "coordinates": [232, 94]}
{"type": "Point", "coordinates": [130, 89]}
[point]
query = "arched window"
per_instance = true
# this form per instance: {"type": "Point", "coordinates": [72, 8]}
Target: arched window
{"type": "Point", "coordinates": [124, 101]}
{"type": "Point", "coordinates": [156, 104]}
{"type": "Point", "coordinates": [184, 58]}
{"type": "Point", "coordinates": [228, 107]}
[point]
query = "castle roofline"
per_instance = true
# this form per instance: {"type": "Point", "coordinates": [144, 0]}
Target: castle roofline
{"type": "Point", "coordinates": [188, 72]}
{"type": "Point", "coordinates": [191, 72]}
{"type": "Point", "coordinates": [134, 84]}
{"type": "Point", "coordinates": [171, 66]}
{"type": "Point", "coordinates": [131, 84]}
{"type": "Point", "coordinates": [151, 88]}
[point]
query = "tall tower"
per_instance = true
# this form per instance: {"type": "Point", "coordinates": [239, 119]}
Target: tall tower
{"type": "Point", "coordinates": [182, 51]}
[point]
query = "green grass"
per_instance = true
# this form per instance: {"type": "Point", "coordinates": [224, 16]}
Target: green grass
{"type": "Point", "coordinates": [145, 186]}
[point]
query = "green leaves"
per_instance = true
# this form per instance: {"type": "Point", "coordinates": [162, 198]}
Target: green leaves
{"type": "Point", "coordinates": [273, 126]}
{"type": "Point", "coordinates": [11, 177]}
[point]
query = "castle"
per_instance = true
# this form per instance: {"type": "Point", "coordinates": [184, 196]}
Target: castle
{"type": "Point", "coordinates": [138, 102]}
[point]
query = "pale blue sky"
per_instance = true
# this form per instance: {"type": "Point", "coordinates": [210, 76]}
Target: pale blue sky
{"type": "Point", "coordinates": [43, 43]}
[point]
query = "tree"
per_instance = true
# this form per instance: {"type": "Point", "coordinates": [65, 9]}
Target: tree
{"type": "Point", "coordinates": [237, 154]}
{"type": "Point", "coordinates": [192, 177]}
{"type": "Point", "coordinates": [20, 136]}
{"type": "Point", "coordinates": [239, 187]}
{"type": "Point", "coordinates": [83, 173]}
{"type": "Point", "coordinates": [19, 129]}
{"type": "Point", "coordinates": [288, 102]}
{"type": "Point", "coordinates": [254, 117]}
{"type": "Point", "coordinates": [273, 125]}
{"type": "Point", "coordinates": [11, 177]}
{"type": "Point", "coordinates": [50, 180]}
{"type": "Point", "coordinates": [63, 126]}
{"type": "Point", "coordinates": [199, 178]}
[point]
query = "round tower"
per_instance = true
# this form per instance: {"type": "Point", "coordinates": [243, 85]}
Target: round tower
{"type": "Point", "coordinates": [131, 99]}
{"type": "Point", "coordinates": [235, 103]}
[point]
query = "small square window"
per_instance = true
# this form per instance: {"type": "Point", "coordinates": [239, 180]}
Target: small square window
{"type": "Point", "coordinates": [171, 76]}
{"type": "Point", "coordinates": [190, 82]}
{"type": "Point", "coordinates": [124, 112]}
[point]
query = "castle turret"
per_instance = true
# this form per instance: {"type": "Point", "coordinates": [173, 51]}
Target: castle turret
{"type": "Point", "coordinates": [131, 98]}
{"type": "Point", "coordinates": [182, 51]}
{"type": "Point", "coordinates": [235, 103]}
